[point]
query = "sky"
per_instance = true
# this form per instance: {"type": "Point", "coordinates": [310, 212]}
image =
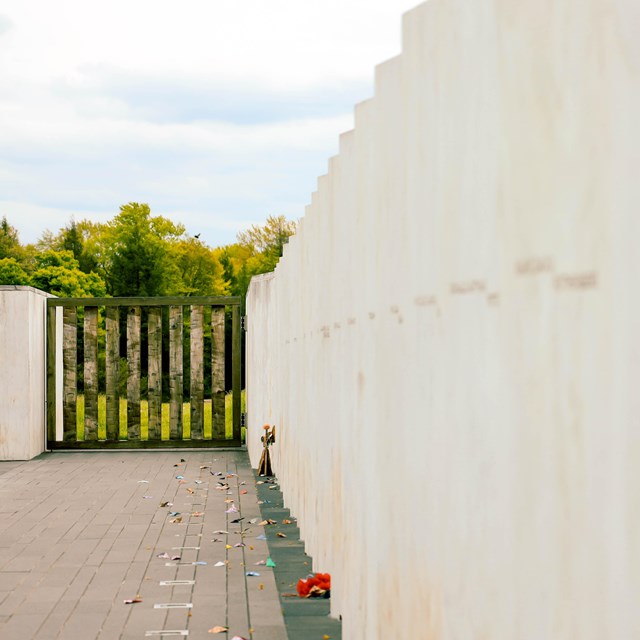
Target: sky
{"type": "Point", "coordinates": [217, 113]}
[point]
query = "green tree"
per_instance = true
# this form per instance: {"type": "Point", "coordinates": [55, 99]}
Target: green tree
{"type": "Point", "coordinates": [58, 272]}
{"type": "Point", "coordinates": [10, 246]}
{"type": "Point", "coordinates": [138, 258]}
{"type": "Point", "coordinates": [199, 269]}
{"type": "Point", "coordinates": [268, 241]}
{"type": "Point", "coordinates": [12, 273]}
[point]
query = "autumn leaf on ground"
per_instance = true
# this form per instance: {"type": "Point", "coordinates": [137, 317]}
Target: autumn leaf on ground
{"type": "Point", "coordinates": [133, 600]}
{"type": "Point", "coordinates": [219, 629]}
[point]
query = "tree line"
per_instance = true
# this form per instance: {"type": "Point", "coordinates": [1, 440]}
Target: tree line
{"type": "Point", "coordinates": [139, 254]}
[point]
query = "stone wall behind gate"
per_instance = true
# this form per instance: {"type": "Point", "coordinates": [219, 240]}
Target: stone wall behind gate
{"type": "Point", "coordinates": [450, 347]}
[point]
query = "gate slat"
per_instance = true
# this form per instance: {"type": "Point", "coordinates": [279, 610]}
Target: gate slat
{"type": "Point", "coordinates": [155, 373]}
{"type": "Point", "coordinates": [91, 373]}
{"type": "Point", "coordinates": [69, 364]}
{"type": "Point", "coordinates": [175, 372]}
{"type": "Point", "coordinates": [236, 380]}
{"type": "Point", "coordinates": [51, 374]}
{"type": "Point", "coordinates": [133, 379]}
{"type": "Point", "coordinates": [197, 372]}
{"type": "Point", "coordinates": [217, 373]}
{"type": "Point", "coordinates": [112, 365]}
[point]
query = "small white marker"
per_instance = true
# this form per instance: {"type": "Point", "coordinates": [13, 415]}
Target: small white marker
{"type": "Point", "coordinates": [192, 548]}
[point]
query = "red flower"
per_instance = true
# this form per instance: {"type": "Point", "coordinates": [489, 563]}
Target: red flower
{"type": "Point", "coordinates": [318, 585]}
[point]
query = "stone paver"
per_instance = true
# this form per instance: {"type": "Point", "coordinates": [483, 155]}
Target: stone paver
{"type": "Point", "coordinates": [80, 532]}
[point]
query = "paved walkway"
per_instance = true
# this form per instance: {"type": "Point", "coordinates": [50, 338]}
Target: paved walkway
{"type": "Point", "coordinates": [80, 533]}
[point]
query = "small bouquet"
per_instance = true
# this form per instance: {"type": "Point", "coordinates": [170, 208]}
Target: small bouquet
{"type": "Point", "coordinates": [315, 585]}
{"type": "Point", "coordinates": [269, 437]}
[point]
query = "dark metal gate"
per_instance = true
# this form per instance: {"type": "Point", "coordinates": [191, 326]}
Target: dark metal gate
{"type": "Point", "coordinates": [143, 372]}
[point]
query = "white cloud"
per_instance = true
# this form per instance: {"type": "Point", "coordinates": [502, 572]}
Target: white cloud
{"type": "Point", "coordinates": [219, 111]}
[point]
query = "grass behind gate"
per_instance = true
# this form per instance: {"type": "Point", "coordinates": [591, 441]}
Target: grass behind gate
{"type": "Point", "coordinates": [144, 418]}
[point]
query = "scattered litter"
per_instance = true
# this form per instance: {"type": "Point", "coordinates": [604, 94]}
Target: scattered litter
{"type": "Point", "coordinates": [173, 605]}
{"type": "Point", "coordinates": [253, 520]}
{"type": "Point", "coordinates": [182, 460]}
{"type": "Point", "coordinates": [252, 574]}
{"type": "Point", "coordinates": [237, 520]}
{"type": "Point", "coordinates": [164, 556]}
{"type": "Point", "coordinates": [199, 563]}
{"type": "Point", "coordinates": [260, 482]}
{"type": "Point", "coordinates": [179, 477]}
{"type": "Point", "coordinates": [281, 535]}
{"type": "Point", "coordinates": [261, 537]}
{"type": "Point", "coordinates": [243, 492]}
{"type": "Point", "coordinates": [175, 583]}
{"type": "Point", "coordinates": [197, 513]}
{"type": "Point", "coordinates": [216, 540]}
{"type": "Point", "coordinates": [174, 632]}
{"type": "Point", "coordinates": [147, 497]}
{"type": "Point", "coordinates": [261, 562]}
{"type": "Point", "coordinates": [270, 563]}
{"type": "Point", "coordinates": [190, 490]}
{"type": "Point", "coordinates": [177, 520]}
{"type": "Point", "coordinates": [219, 629]}
{"type": "Point", "coordinates": [204, 466]}
{"type": "Point", "coordinates": [220, 532]}
{"type": "Point", "coordinates": [229, 501]}
{"type": "Point", "coordinates": [133, 600]}
{"type": "Point", "coordinates": [220, 564]}
{"type": "Point", "coordinates": [286, 521]}
{"type": "Point", "coordinates": [243, 482]}
{"type": "Point", "coordinates": [176, 557]}
{"type": "Point", "coordinates": [228, 546]}
{"type": "Point", "coordinates": [238, 638]}
{"type": "Point", "coordinates": [239, 544]}
{"type": "Point", "coordinates": [198, 481]}
{"type": "Point", "coordinates": [273, 487]}
{"type": "Point", "coordinates": [232, 509]}
{"type": "Point", "coordinates": [143, 482]}
{"type": "Point", "coordinates": [166, 504]}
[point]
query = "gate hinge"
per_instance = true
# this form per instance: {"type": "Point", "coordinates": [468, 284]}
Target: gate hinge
{"type": "Point", "coordinates": [243, 323]}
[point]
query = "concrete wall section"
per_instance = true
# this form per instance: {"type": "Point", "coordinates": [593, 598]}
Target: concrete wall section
{"type": "Point", "coordinates": [22, 372]}
{"type": "Point", "coordinates": [450, 348]}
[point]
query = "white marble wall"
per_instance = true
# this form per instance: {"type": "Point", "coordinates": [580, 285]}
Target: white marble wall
{"type": "Point", "coordinates": [450, 347]}
{"type": "Point", "coordinates": [22, 372]}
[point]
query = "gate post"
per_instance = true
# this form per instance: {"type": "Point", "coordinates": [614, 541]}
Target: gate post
{"type": "Point", "coordinates": [23, 380]}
